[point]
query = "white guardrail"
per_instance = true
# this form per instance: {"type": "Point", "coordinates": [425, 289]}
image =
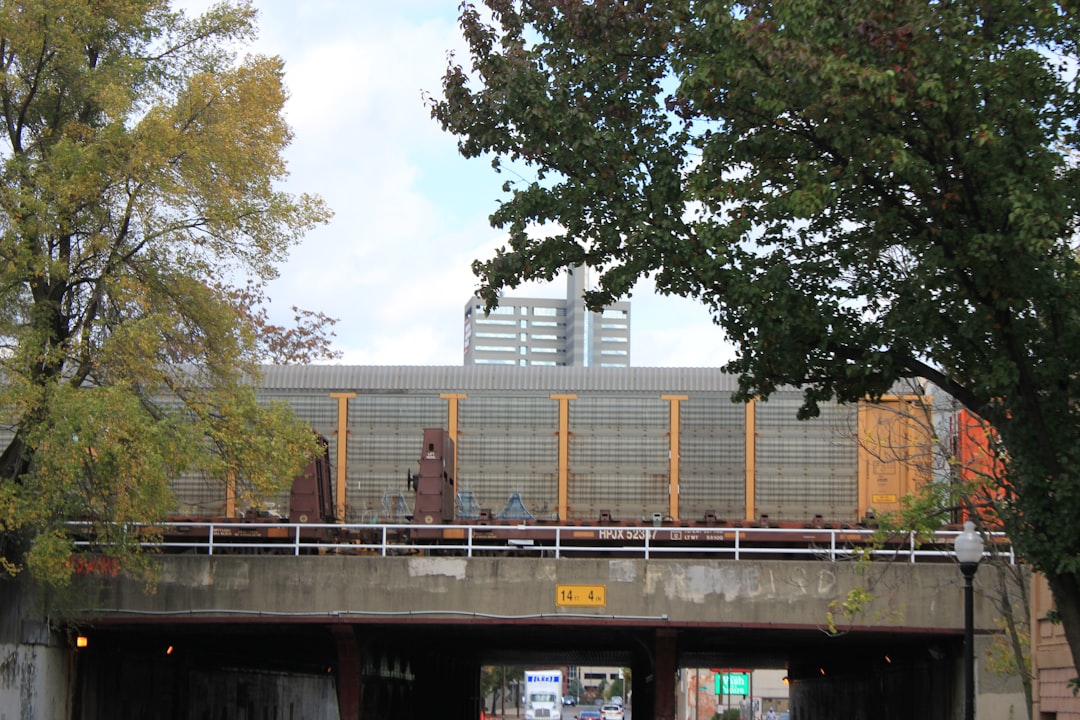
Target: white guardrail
{"type": "Point", "coordinates": [279, 538]}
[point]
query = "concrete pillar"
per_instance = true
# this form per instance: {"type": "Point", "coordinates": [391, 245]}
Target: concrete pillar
{"type": "Point", "coordinates": [666, 670]}
{"type": "Point", "coordinates": [349, 680]}
{"type": "Point", "coordinates": [37, 668]}
{"type": "Point", "coordinates": [653, 678]}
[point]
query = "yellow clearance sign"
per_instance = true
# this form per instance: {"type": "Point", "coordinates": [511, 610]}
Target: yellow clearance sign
{"type": "Point", "coordinates": [580, 595]}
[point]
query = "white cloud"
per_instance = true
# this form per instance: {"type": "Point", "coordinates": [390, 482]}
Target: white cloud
{"type": "Point", "coordinates": [410, 214]}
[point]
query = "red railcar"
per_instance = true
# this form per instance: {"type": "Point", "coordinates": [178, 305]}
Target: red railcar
{"type": "Point", "coordinates": [980, 468]}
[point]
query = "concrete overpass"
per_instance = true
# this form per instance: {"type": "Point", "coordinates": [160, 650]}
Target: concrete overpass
{"type": "Point", "coordinates": [405, 636]}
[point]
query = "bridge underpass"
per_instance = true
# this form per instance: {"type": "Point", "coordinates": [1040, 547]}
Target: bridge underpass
{"type": "Point", "coordinates": [419, 670]}
{"type": "Point", "coordinates": [405, 637]}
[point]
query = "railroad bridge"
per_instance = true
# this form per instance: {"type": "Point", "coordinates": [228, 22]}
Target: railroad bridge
{"type": "Point", "coordinates": [384, 635]}
{"type": "Point", "coordinates": [387, 631]}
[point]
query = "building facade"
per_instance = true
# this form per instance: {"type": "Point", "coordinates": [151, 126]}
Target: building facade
{"type": "Point", "coordinates": [548, 331]}
{"type": "Point", "coordinates": [701, 696]}
{"type": "Point", "coordinates": [1052, 663]}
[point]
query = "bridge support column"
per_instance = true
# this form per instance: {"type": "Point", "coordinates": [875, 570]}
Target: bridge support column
{"type": "Point", "coordinates": [349, 677]}
{"type": "Point", "coordinates": [666, 669]}
{"type": "Point", "coordinates": [653, 677]}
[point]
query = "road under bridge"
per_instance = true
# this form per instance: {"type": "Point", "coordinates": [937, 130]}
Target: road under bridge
{"type": "Point", "coordinates": [404, 637]}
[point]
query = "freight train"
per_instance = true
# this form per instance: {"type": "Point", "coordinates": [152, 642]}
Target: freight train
{"type": "Point", "coordinates": [757, 468]}
{"type": "Point", "coordinates": [442, 513]}
{"type": "Point", "coordinates": [564, 454]}
{"type": "Point", "coordinates": [569, 447]}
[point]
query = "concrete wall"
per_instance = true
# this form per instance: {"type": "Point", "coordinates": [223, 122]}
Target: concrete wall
{"type": "Point", "coordinates": [746, 593]}
{"type": "Point", "coordinates": [154, 688]}
{"type": "Point", "coordinates": [996, 697]}
{"type": "Point", "coordinates": [36, 666]}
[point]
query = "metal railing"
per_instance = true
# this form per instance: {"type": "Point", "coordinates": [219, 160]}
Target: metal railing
{"type": "Point", "coordinates": [557, 541]}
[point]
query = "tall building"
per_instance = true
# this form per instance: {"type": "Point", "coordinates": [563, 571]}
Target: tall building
{"type": "Point", "coordinates": [548, 331]}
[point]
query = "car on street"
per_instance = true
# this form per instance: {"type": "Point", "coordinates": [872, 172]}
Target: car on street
{"type": "Point", "coordinates": [616, 700]}
{"type": "Point", "coordinates": [569, 700]}
{"type": "Point", "coordinates": [589, 715]}
{"type": "Point", "coordinates": [611, 712]}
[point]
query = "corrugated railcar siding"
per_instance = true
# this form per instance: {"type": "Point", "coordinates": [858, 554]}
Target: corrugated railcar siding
{"type": "Point", "coordinates": [806, 467]}
{"type": "Point", "coordinates": [386, 433]}
{"type": "Point", "coordinates": [618, 457]}
{"type": "Point", "coordinates": [508, 444]}
{"type": "Point", "coordinates": [712, 458]}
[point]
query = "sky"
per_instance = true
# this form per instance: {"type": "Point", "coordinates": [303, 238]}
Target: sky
{"type": "Point", "coordinates": [411, 214]}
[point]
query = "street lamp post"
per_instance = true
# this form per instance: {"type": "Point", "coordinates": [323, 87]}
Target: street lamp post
{"type": "Point", "coordinates": [969, 550]}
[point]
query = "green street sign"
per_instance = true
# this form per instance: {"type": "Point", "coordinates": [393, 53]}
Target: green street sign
{"type": "Point", "coordinates": [732, 684]}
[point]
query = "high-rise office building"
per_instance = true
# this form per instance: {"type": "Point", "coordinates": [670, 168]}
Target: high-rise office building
{"type": "Point", "coordinates": [548, 331]}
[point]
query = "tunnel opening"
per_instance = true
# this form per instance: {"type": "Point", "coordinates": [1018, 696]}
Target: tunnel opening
{"type": "Point", "coordinates": [471, 670]}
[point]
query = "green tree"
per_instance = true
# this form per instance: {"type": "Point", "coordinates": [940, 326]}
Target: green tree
{"type": "Point", "coordinates": [497, 682]}
{"type": "Point", "coordinates": [138, 163]}
{"type": "Point", "coordinates": [958, 453]}
{"type": "Point", "coordinates": [575, 689]}
{"type": "Point", "coordinates": [490, 683]}
{"type": "Point", "coordinates": [860, 192]}
{"type": "Point", "coordinates": [626, 684]}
